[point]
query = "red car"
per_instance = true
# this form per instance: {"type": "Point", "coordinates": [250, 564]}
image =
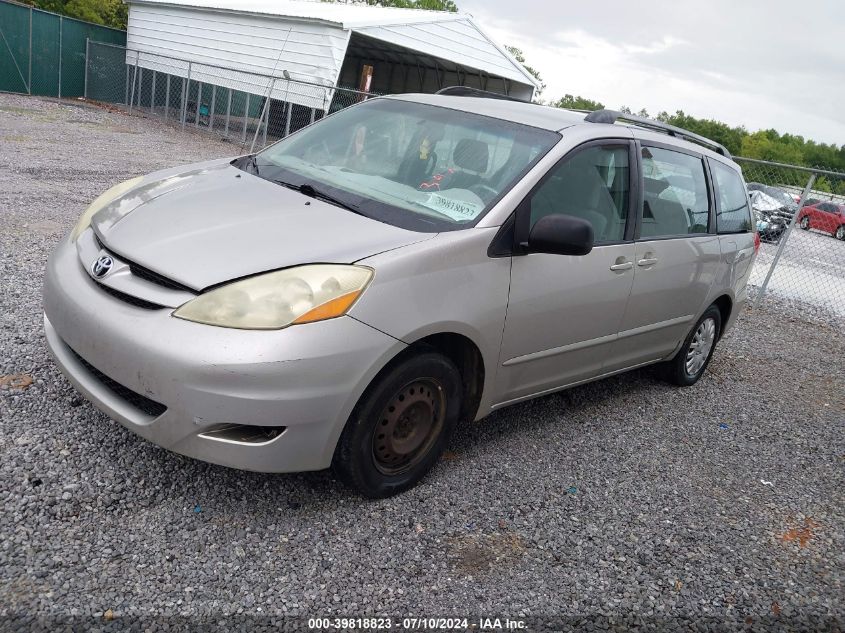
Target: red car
{"type": "Point", "coordinates": [824, 216]}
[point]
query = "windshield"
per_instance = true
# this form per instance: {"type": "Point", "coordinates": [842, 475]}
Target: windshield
{"type": "Point", "coordinates": [417, 166]}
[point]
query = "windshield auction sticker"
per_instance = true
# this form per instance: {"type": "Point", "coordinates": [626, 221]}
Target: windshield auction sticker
{"type": "Point", "coordinates": [460, 210]}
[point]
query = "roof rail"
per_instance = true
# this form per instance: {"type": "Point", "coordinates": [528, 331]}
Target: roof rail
{"type": "Point", "coordinates": [612, 116]}
{"type": "Point", "coordinates": [467, 91]}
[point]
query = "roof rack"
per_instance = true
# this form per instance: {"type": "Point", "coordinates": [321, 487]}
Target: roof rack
{"type": "Point", "coordinates": [467, 91]}
{"type": "Point", "coordinates": [612, 116]}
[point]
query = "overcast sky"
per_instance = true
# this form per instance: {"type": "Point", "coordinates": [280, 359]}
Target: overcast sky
{"type": "Point", "coordinates": [761, 63]}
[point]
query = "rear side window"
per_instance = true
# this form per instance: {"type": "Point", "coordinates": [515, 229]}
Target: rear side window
{"type": "Point", "coordinates": [733, 214]}
{"type": "Point", "coordinates": [675, 200]}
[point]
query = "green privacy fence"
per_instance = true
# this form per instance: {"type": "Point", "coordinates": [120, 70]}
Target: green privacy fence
{"type": "Point", "coordinates": [43, 53]}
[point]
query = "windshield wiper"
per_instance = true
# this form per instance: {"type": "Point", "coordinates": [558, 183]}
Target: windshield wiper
{"type": "Point", "coordinates": [307, 189]}
{"type": "Point", "coordinates": [253, 163]}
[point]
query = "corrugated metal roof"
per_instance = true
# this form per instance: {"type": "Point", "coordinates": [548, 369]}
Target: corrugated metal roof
{"type": "Point", "coordinates": [348, 16]}
{"type": "Point", "coordinates": [453, 36]}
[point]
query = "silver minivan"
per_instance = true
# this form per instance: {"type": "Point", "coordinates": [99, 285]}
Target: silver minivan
{"type": "Point", "coordinates": [349, 295]}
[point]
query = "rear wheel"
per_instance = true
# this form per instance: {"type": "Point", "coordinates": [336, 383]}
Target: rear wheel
{"type": "Point", "coordinates": [692, 359]}
{"type": "Point", "coordinates": [840, 232]}
{"type": "Point", "coordinates": [400, 426]}
{"type": "Point", "coordinates": [805, 223]}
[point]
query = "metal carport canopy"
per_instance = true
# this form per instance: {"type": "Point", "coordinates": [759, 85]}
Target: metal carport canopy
{"type": "Point", "coordinates": [307, 39]}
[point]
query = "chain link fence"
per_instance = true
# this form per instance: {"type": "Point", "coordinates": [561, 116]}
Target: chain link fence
{"type": "Point", "coordinates": [800, 216]}
{"type": "Point", "coordinates": [247, 108]}
{"type": "Point", "coordinates": [43, 53]}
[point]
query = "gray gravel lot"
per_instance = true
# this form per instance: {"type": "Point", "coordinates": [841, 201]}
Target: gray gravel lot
{"type": "Point", "coordinates": [623, 498]}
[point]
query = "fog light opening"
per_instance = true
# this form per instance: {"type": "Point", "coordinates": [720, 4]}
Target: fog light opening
{"type": "Point", "coordinates": [243, 434]}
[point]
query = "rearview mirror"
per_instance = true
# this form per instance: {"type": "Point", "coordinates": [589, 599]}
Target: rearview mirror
{"type": "Point", "coordinates": [560, 234]}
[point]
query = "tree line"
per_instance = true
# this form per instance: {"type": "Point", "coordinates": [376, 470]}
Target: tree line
{"type": "Point", "coordinates": [768, 144]}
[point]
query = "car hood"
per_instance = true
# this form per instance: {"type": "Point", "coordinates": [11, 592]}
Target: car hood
{"type": "Point", "coordinates": [213, 223]}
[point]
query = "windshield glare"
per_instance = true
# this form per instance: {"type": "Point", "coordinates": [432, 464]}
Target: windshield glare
{"type": "Point", "coordinates": [417, 166]}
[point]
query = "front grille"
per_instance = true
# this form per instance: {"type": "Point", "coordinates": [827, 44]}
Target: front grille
{"type": "Point", "coordinates": [153, 277]}
{"type": "Point", "coordinates": [144, 273]}
{"type": "Point", "coordinates": [135, 301]}
{"type": "Point", "coordinates": [142, 403]}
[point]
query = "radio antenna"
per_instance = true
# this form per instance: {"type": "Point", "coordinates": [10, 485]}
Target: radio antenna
{"type": "Point", "coordinates": [264, 110]}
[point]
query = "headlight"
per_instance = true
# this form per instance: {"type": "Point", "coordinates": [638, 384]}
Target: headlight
{"type": "Point", "coordinates": [104, 198]}
{"type": "Point", "coordinates": [279, 299]}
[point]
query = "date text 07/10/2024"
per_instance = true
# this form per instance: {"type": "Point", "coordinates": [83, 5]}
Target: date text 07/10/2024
{"type": "Point", "coordinates": [419, 624]}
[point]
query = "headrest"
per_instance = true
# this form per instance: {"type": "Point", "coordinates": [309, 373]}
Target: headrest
{"type": "Point", "coordinates": [471, 155]}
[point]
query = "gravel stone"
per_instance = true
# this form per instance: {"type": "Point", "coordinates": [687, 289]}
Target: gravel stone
{"type": "Point", "coordinates": [617, 504]}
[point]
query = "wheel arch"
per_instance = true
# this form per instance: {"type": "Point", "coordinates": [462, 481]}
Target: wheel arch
{"type": "Point", "coordinates": [466, 355]}
{"type": "Point", "coordinates": [725, 305]}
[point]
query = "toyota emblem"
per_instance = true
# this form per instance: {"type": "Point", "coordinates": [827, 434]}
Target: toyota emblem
{"type": "Point", "coordinates": [101, 266]}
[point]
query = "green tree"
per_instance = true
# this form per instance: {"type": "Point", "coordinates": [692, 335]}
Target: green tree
{"type": "Point", "coordinates": [113, 13]}
{"type": "Point", "coordinates": [730, 137]}
{"type": "Point", "coordinates": [520, 57]}
{"type": "Point", "coordinates": [768, 144]}
{"type": "Point", "coordinates": [572, 102]}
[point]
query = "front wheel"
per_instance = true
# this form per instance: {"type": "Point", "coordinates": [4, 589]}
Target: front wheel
{"type": "Point", "coordinates": [840, 232]}
{"type": "Point", "coordinates": [805, 223]}
{"type": "Point", "coordinates": [692, 359]}
{"type": "Point", "coordinates": [400, 427]}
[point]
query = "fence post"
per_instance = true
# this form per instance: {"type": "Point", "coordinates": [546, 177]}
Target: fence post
{"type": "Point", "coordinates": [85, 76]}
{"type": "Point", "coordinates": [246, 118]}
{"type": "Point", "coordinates": [29, 84]}
{"type": "Point", "coordinates": [199, 101]}
{"type": "Point", "coordinates": [153, 95]}
{"type": "Point", "coordinates": [287, 118]}
{"type": "Point", "coordinates": [784, 240]}
{"type": "Point", "coordinates": [187, 91]}
{"type": "Point", "coordinates": [126, 96]}
{"type": "Point", "coordinates": [166, 96]}
{"type": "Point", "coordinates": [213, 103]}
{"type": "Point", "coordinates": [228, 111]}
{"type": "Point", "coordinates": [134, 77]}
{"type": "Point", "coordinates": [60, 56]}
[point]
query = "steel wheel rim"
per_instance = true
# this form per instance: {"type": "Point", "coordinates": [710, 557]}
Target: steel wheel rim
{"type": "Point", "coordinates": [700, 346]}
{"type": "Point", "coordinates": [840, 233]}
{"type": "Point", "coordinates": [805, 222]}
{"type": "Point", "coordinates": [409, 426]}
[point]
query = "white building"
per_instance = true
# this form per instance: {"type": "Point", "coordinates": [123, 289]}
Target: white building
{"type": "Point", "coordinates": [318, 45]}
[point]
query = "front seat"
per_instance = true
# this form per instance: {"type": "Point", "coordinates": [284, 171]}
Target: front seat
{"type": "Point", "coordinates": [577, 191]}
{"type": "Point", "coordinates": [471, 158]}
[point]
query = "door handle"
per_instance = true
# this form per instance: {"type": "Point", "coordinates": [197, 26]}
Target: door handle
{"type": "Point", "coordinates": [647, 261]}
{"type": "Point", "coordinates": [622, 266]}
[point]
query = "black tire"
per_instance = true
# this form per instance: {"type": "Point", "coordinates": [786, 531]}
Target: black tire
{"type": "Point", "coordinates": [675, 370]}
{"type": "Point", "coordinates": [840, 232]}
{"type": "Point", "coordinates": [805, 223]}
{"type": "Point", "coordinates": [428, 386]}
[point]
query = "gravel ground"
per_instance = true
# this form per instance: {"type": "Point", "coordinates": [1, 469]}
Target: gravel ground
{"type": "Point", "coordinates": [622, 501]}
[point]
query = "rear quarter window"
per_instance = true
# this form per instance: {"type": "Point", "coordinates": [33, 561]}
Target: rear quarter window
{"type": "Point", "coordinates": [732, 212]}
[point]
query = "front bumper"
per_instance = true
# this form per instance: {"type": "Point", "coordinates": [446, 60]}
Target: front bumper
{"type": "Point", "coordinates": [306, 378]}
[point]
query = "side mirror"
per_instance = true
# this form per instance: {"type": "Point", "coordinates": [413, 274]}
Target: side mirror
{"type": "Point", "coordinates": [560, 234]}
